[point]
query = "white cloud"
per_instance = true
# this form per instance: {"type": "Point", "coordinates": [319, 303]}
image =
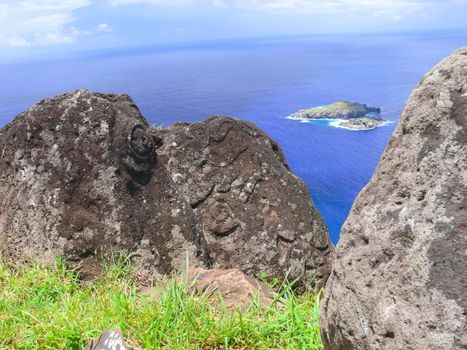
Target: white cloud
{"type": "Point", "coordinates": [19, 42]}
{"type": "Point", "coordinates": [389, 8]}
{"type": "Point", "coordinates": [45, 22]}
{"type": "Point", "coordinates": [39, 22]}
{"type": "Point", "coordinates": [220, 3]}
{"type": "Point", "coordinates": [104, 27]}
{"type": "Point", "coordinates": [154, 2]}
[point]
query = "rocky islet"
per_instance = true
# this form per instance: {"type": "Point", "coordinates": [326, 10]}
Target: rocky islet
{"type": "Point", "coordinates": [344, 114]}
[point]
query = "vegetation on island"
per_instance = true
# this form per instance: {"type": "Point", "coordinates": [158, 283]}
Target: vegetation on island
{"type": "Point", "coordinates": [339, 110]}
{"type": "Point", "coordinates": [49, 307]}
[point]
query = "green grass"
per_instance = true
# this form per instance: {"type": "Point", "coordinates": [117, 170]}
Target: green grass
{"type": "Point", "coordinates": [47, 307]}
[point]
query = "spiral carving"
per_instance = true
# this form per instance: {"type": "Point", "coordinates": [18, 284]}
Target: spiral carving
{"type": "Point", "coordinates": [141, 143]}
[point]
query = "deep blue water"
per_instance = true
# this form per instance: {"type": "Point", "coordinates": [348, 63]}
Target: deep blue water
{"type": "Point", "coordinates": [263, 81]}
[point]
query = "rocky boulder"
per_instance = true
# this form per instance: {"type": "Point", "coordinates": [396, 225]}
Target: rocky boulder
{"type": "Point", "coordinates": [82, 175]}
{"type": "Point", "coordinates": [399, 280]}
{"type": "Point", "coordinates": [256, 215]}
{"type": "Point", "coordinates": [79, 177]}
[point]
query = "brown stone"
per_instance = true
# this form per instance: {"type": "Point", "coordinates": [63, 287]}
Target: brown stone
{"type": "Point", "coordinates": [232, 287]}
{"type": "Point", "coordinates": [82, 175]}
{"type": "Point", "coordinates": [79, 177]}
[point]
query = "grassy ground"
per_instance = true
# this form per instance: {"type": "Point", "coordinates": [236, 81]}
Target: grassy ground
{"type": "Point", "coordinates": [47, 307]}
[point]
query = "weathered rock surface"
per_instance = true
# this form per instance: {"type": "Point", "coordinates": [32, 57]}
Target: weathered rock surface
{"type": "Point", "coordinates": [399, 280]}
{"type": "Point", "coordinates": [79, 176]}
{"type": "Point", "coordinates": [255, 214]}
{"type": "Point", "coordinates": [82, 175]}
{"type": "Point", "coordinates": [236, 289]}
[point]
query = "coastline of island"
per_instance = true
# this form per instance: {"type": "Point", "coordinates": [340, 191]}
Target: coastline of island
{"type": "Point", "coordinates": [343, 114]}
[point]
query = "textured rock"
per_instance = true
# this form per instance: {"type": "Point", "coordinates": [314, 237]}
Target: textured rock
{"type": "Point", "coordinates": [236, 289]}
{"type": "Point", "coordinates": [255, 214]}
{"type": "Point", "coordinates": [82, 175]}
{"type": "Point", "coordinates": [399, 280]}
{"type": "Point", "coordinates": [79, 177]}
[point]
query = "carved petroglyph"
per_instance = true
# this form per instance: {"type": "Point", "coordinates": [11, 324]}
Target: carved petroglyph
{"type": "Point", "coordinates": [255, 214]}
{"type": "Point", "coordinates": [79, 178]}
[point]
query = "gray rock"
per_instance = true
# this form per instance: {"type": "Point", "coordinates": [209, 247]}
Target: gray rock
{"type": "Point", "coordinates": [399, 279]}
{"type": "Point", "coordinates": [256, 215]}
{"type": "Point", "coordinates": [79, 177]}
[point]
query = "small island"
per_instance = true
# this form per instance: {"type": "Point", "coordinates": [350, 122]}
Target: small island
{"type": "Point", "coordinates": [348, 115]}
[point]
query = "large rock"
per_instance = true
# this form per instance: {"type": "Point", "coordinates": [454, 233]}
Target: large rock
{"type": "Point", "coordinates": [232, 288]}
{"type": "Point", "coordinates": [399, 280]}
{"type": "Point", "coordinates": [82, 175]}
{"type": "Point", "coordinates": [79, 176]}
{"type": "Point", "coordinates": [256, 215]}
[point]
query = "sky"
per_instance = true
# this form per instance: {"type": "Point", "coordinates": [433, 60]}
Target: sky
{"type": "Point", "coordinates": [45, 27]}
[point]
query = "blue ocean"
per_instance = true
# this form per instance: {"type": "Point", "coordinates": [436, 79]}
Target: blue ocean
{"type": "Point", "coordinates": [262, 80]}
